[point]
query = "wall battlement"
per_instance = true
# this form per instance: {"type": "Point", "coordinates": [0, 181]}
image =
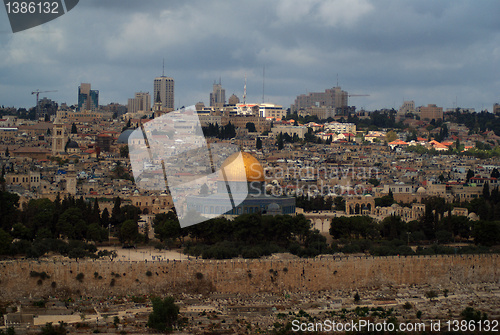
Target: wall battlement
{"type": "Point", "coordinates": [105, 278]}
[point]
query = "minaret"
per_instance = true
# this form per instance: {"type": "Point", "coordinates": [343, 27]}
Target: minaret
{"type": "Point", "coordinates": [71, 180]}
{"type": "Point", "coordinates": [58, 137]}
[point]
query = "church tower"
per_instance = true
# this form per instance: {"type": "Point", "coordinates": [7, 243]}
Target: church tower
{"type": "Point", "coordinates": [58, 137]}
{"type": "Point", "coordinates": [157, 107]}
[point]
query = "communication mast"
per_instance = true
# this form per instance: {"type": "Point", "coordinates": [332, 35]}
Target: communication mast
{"type": "Point", "coordinates": [245, 90]}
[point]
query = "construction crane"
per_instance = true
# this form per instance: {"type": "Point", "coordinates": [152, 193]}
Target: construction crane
{"type": "Point", "coordinates": [37, 92]}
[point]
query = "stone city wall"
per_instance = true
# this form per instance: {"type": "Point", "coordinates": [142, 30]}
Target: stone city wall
{"type": "Point", "coordinates": [105, 278]}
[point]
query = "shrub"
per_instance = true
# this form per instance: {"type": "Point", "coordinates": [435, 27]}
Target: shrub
{"type": "Point", "coordinates": [43, 275]}
{"type": "Point", "coordinates": [199, 275]}
{"type": "Point", "coordinates": [148, 273]}
{"type": "Point", "coordinates": [470, 314]}
{"type": "Point", "coordinates": [431, 294]}
{"type": "Point", "coordinates": [80, 277]}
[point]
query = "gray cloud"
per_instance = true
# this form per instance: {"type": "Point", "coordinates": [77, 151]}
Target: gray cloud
{"type": "Point", "coordinates": [431, 52]}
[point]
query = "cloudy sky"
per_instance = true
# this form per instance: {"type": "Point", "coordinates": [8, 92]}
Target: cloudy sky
{"type": "Point", "coordinates": [442, 52]}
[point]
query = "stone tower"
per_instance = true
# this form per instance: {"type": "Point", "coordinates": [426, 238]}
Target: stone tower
{"type": "Point", "coordinates": [71, 180]}
{"type": "Point", "coordinates": [58, 137]}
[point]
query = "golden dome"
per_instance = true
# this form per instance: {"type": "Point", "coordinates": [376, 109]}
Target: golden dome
{"type": "Point", "coordinates": [241, 168]}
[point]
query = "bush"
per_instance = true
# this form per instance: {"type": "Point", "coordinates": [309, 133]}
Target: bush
{"type": "Point", "coordinates": [431, 294]}
{"type": "Point", "coordinates": [80, 277]}
{"type": "Point", "coordinates": [199, 275]}
{"type": "Point", "coordinates": [470, 314]}
{"type": "Point", "coordinates": [43, 275]}
{"type": "Point", "coordinates": [148, 273]}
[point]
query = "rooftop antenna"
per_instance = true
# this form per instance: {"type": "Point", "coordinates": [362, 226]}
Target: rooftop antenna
{"type": "Point", "coordinates": [263, 81]}
{"type": "Point", "coordinates": [337, 80]}
{"type": "Point", "coordinates": [163, 71]}
{"type": "Point", "coordinates": [245, 90]}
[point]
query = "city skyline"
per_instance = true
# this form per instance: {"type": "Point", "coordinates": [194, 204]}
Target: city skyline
{"type": "Point", "coordinates": [442, 53]}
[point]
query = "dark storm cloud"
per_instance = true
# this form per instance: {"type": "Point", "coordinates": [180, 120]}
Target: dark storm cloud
{"type": "Point", "coordinates": [428, 51]}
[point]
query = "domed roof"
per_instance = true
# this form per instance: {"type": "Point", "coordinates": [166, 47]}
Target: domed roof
{"type": "Point", "coordinates": [73, 145]}
{"type": "Point", "coordinates": [421, 190]}
{"type": "Point", "coordinates": [273, 207]}
{"type": "Point", "coordinates": [242, 168]}
{"type": "Point", "coordinates": [473, 216]}
{"type": "Point", "coordinates": [123, 138]}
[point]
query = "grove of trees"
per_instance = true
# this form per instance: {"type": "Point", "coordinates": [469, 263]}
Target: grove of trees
{"type": "Point", "coordinates": [69, 226]}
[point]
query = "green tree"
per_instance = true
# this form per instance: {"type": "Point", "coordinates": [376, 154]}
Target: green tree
{"type": "Point", "coordinates": [339, 203]}
{"type": "Point", "coordinates": [116, 212]}
{"type": "Point", "coordinates": [169, 229]}
{"type": "Point", "coordinates": [164, 315]}
{"type": "Point", "coordinates": [486, 190]}
{"type": "Point", "coordinates": [374, 181]}
{"type": "Point", "coordinates": [280, 141]}
{"type": "Point", "coordinates": [258, 143]}
{"type": "Point", "coordinates": [129, 231]}
{"type": "Point", "coordinates": [470, 174]}
{"type": "Point", "coordinates": [5, 241]}
{"type": "Point", "coordinates": [124, 151]}
{"type": "Point", "coordinates": [251, 127]}
{"type": "Point", "coordinates": [9, 203]}
{"type": "Point", "coordinates": [105, 218]}
{"type": "Point", "coordinates": [495, 173]}
{"type": "Point", "coordinates": [391, 136]}
{"type": "Point", "coordinates": [486, 233]}
{"type": "Point", "coordinates": [72, 224]}
{"type": "Point", "coordinates": [39, 214]}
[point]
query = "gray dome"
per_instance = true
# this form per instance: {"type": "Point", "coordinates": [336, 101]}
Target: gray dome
{"type": "Point", "coordinates": [273, 207]}
{"type": "Point", "coordinates": [73, 145]}
{"type": "Point", "coordinates": [123, 138]}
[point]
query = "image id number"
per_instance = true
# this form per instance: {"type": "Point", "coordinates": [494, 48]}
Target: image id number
{"type": "Point", "coordinates": [23, 7]}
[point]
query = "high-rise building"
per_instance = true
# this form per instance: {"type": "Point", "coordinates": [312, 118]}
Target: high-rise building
{"type": "Point", "coordinates": [164, 86]}
{"type": "Point", "coordinates": [332, 98]}
{"type": "Point", "coordinates": [431, 112]}
{"type": "Point", "coordinates": [218, 96]}
{"type": "Point", "coordinates": [88, 100]}
{"type": "Point", "coordinates": [140, 102]}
